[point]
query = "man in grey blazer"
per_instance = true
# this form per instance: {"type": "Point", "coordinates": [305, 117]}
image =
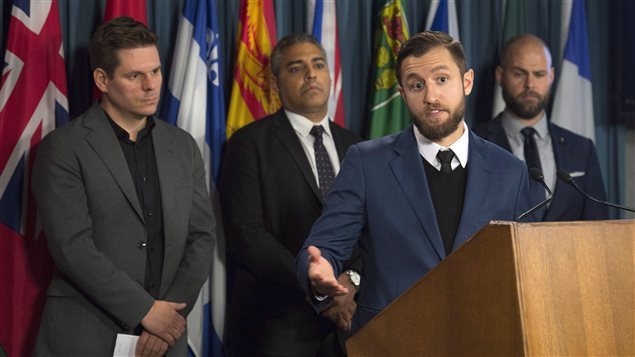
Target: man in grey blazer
{"type": "Point", "coordinates": [123, 202]}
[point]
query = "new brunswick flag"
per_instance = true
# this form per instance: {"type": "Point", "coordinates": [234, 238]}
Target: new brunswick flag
{"type": "Point", "coordinates": [252, 94]}
{"type": "Point", "coordinates": [389, 113]}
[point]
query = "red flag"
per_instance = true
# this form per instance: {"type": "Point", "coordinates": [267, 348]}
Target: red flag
{"type": "Point", "coordinates": [33, 101]}
{"type": "Point", "coordinates": [133, 8]}
{"type": "Point", "coordinates": [252, 95]}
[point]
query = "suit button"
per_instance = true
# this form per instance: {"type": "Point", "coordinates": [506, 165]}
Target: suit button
{"type": "Point", "coordinates": [141, 244]}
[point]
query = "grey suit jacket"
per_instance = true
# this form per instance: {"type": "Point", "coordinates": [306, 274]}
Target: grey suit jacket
{"type": "Point", "coordinates": [93, 223]}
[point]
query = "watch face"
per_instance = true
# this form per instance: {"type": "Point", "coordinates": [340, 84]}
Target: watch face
{"type": "Point", "coordinates": [354, 277]}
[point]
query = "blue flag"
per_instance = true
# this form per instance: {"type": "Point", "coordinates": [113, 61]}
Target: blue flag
{"type": "Point", "coordinates": [195, 103]}
{"type": "Point", "coordinates": [573, 104]}
{"type": "Point", "coordinates": [442, 17]}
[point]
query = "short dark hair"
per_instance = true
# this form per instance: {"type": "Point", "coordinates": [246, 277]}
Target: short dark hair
{"type": "Point", "coordinates": [117, 34]}
{"type": "Point", "coordinates": [419, 44]}
{"type": "Point", "coordinates": [288, 41]}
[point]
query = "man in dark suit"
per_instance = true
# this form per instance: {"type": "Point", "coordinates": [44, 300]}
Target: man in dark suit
{"type": "Point", "coordinates": [276, 172]}
{"type": "Point", "coordinates": [525, 75]}
{"type": "Point", "coordinates": [123, 202]}
{"type": "Point", "coordinates": [413, 197]}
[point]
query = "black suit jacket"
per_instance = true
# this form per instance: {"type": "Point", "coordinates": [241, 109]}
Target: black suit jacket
{"type": "Point", "coordinates": [574, 154]}
{"type": "Point", "coordinates": [270, 200]}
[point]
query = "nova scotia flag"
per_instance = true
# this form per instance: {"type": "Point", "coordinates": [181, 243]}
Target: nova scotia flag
{"type": "Point", "coordinates": [195, 103]}
{"type": "Point", "coordinates": [573, 105]}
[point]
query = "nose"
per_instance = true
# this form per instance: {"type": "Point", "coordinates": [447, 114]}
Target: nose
{"type": "Point", "coordinates": [151, 82]}
{"type": "Point", "coordinates": [309, 74]}
{"type": "Point", "coordinates": [530, 81]}
{"type": "Point", "coordinates": [431, 94]}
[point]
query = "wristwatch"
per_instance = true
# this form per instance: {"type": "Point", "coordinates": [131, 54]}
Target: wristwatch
{"type": "Point", "coordinates": [354, 278]}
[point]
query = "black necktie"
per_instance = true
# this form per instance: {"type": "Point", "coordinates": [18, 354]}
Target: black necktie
{"type": "Point", "coordinates": [325, 172]}
{"type": "Point", "coordinates": [532, 158]}
{"type": "Point", "coordinates": [445, 158]}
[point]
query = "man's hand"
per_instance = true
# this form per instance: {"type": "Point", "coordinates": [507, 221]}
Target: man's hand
{"type": "Point", "coordinates": [343, 307]}
{"type": "Point", "coordinates": [164, 321]}
{"type": "Point", "coordinates": [150, 345]}
{"type": "Point", "coordinates": [321, 275]}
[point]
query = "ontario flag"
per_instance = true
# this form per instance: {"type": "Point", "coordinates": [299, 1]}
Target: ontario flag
{"type": "Point", "coordinates": [252, 94]}
{"type": "Point", "coordinates": [322, 23]}
{"type": "Point", "coordinates": [32, 103]}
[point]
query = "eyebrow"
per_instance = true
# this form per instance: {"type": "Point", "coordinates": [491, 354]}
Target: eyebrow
{"type": "Point", "coordinates": [435, 69]}
{"type": "Point", "coordinates": [313, 60]}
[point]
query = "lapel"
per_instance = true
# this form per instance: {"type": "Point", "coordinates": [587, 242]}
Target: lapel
{"type": "Point", "coordinates": [497, 133]}
{"type": "Point", "coordinates": [339, 145]}
{"type": "Point", "coordinates": [102, 139]}
{"type": "Point", "coordinates": [410, 175]}
{"type": "Point", "coordinates": [560, 154]}
{"type": "Point", "coordinates": [167, 169]}
{"type": "Point", "coordinates": [479, 170]}
{"type": "Point", "coordinates": [284, 132]}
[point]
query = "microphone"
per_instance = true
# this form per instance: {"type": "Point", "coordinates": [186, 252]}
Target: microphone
{"type": "Point", "coordinates": [537, 176]}
{"type": "Point", "coordinates": [564, 176]}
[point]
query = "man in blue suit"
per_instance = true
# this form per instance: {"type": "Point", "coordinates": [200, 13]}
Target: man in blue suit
{"type": "Point", "coordinates": [525, 75]}
{"type": "Point", "coordinates": [411, 198]}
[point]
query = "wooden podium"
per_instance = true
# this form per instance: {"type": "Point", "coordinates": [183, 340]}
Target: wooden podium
{"type": "Point", "coordinates": [518, 289]}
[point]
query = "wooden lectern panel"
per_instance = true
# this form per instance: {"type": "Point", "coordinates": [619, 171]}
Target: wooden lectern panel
{"type": "Point", "coordinates": [444, 313]}
{"type": "Point", "coordinates": [518, 289]}
{"type": "Point", "coordinates": [577, 282]}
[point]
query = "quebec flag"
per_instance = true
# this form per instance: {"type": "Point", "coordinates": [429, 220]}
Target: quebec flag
{"type": "Point", "coordinates": [195, 103]}
{"type": "Point", "coordinates": [442, 17]}
{"type": "Point", "coordinates": [573, 104]}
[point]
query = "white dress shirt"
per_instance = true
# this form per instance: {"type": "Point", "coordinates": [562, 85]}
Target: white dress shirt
{"type": "Point", "coordinates": [302, 126]}
{"type": "Point", "coordinates": [429, 149]}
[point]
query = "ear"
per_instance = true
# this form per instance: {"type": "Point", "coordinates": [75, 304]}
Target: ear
{"type": "Point", "coordinates": [274, 84]}
{"type": "Point", "coordinates": [552, 75]}
{"type": "Point", "coordinates": [468, 81]}
{"type": "Point", "coordinates": [101, 80]}
{"type": "Point", "coordinates": [499, 75]}
{"type": "Point", "coordinates": [402, 92]}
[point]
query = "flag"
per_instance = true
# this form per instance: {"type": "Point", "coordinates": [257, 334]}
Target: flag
{"type": "Point", "coordinates": [388, 113]}
{"type": "Point", "coordinates": [442, 17]}
{"type": "Point", "coordinates": [133, 8]}
{"type": "Point", "coordinates": [32, 103]}
{"type": "Point", "coordinates": [573, 104]}
{"type": "Point", "coordinates": [252, 96]}
{"type": "Point", "coordinates": [322, 23]}
{"type": "Point", "coordinates": [195, 102]}
{"type": "Point", "coordinates": [515, 23]}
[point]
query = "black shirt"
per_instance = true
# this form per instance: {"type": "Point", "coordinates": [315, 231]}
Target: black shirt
{"type": "Point", "coordinates": [143, 171]}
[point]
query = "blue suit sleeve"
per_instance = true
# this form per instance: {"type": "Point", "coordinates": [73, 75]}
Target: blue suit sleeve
{"type": "Point", "coordinates": [337, 230]}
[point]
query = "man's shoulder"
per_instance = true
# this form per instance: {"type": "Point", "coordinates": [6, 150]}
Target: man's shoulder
{"type": "Point", "coordinates": [565, 136]}
{"type": "Point", "coordinates": [488, 128]}
{"type": "Point", "coordinates": [492, 151]}
{"type": "Point", "coordinates": [260, 128]}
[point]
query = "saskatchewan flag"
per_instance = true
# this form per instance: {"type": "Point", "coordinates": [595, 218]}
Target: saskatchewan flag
{"type": "Point", "coordinates": [389, 113]}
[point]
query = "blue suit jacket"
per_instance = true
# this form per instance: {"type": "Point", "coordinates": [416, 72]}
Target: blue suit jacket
{"type": "Point", "coordinates": [574, 154]}
{"type": "Point", "coordinates": [381, 195]}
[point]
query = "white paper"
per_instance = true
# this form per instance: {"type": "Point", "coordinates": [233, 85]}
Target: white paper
{"type": "Point", "coordinates": [125, 345]}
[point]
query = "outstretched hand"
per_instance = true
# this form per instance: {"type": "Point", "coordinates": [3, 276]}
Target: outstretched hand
{"type": "Point", "coordinates": [322, 276]}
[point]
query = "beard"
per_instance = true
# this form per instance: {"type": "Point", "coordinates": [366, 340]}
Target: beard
{"type": "Point", "coordinates": [522, 109]}
{"type": "Point", "coordinates": [434, 130]}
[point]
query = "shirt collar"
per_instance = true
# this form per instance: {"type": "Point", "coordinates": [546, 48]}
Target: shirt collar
{"type": "Point", "coordinates": [429, 149]}
{"type": "Point", "coordinates": [513, 126]}
{"type": "Point", "coordinates": [122, 134]}
{"type": "Point", "coordinates": [303, 125]}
